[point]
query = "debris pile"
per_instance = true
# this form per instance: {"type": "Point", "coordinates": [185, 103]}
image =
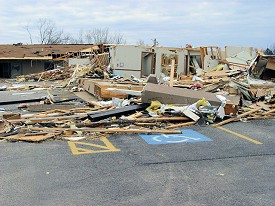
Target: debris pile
{"type": "Point", "coordinates": [220, 95]}
{"type": "Point", "coordinates": [63, 74]}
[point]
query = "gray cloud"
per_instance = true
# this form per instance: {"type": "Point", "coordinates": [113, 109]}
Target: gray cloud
{"type": "Point", "coordinates": [173, 23]}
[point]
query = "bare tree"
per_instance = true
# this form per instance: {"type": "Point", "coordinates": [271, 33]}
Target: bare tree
{"type": "Point", "coordinates": [67, 39]}
{"type": "Point", "coordinates": [98, 36]}
{"type": "Point", "coordinates": [79, 39]}
{"type": "Point", "coordinates": [118, 38]}
{"type": "Point", "coordinates": [28, 30]}
{"type": "Point", "coordinates": [103, 36]}
{"type": "Point", "coordinates": [48, 32]}
{"type": "Point", "coordinates": [140, 42]}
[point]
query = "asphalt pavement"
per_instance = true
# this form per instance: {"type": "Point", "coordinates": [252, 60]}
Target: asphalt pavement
{"type": "Point", "coordinates": [232, 165]}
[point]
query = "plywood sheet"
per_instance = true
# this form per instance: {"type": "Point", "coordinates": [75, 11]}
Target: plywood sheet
{"type": "Point", "coordinates": [31, 137]}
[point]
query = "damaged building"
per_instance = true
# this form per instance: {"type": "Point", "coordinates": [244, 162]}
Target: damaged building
{"type": "Point", "coordinates": [19, 59]}
{"type": "Point", "coordinates": [131, 88]}
{"type": "Point", "coordinates": [124, 60]}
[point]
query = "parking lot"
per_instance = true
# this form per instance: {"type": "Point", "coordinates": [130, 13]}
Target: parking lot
{"type": "Point", "coordinates": [231, 165]}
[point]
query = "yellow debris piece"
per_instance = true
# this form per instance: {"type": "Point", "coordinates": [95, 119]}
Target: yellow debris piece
{"type": "Point", "coordinates": [155, 105]}
{"type": "Point", "coordinates": [201, 102]}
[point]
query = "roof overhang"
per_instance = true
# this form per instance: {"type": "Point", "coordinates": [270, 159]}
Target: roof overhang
{"type": "Point", "coordinates": [26, 58]}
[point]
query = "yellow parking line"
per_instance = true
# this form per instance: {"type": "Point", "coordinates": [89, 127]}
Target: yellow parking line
{"type": "Point", "coordinates": [77, 149]}
{"type": "Point", "coordinates": [239, 135]}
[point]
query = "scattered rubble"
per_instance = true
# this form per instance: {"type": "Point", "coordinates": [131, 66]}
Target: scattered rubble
{"type": "Point", "coordinates": [232, 90]}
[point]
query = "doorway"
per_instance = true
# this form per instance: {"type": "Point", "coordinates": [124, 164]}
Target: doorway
{"type": "Point", "coordinates": [16, 70]}
{"type": "Point", "coordinates": [5, 70]}
{"type": "Point", "coordinates": [148, 63]}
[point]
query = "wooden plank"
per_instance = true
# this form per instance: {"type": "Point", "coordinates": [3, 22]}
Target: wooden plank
{"type": "Point", "coordinates": [202, 51]}
{"type": "Point", "coordinates": [47, 107]}
{"type": "Point", "coordinates": [31, 137]}
{"type": "Point", "coordinates": [180, 125]}
{"type": "Point", "coordinates": [146, 124]}
{"type": "Point", "coordinates": [238, 117]}
{"type": "Point", "coordinates": [111, 130]}
{"type": "Point", "coordinates": [94, 103]}
{"type": "Point", "coordinates": [268, 112]}
{"type": "Point", "coordinates": [134, 116]}
{"type": "Point", "coordinates": [222, 73]}
{"type": "Point", "coordinates": [172, 73]}
{"type": "Point", "coordinates": [260, 117]}
{"type": "Point", "coordinates": [132, 121]}
{"type": "Point", "coordinates": [212, 53]}
{"type": "Point", "coordinates": [11, 116]}
{"type": "Point", "coordinates": [188, 63]}
{"type": "Point", "coordinates": [98, 88]}
{"type": "Point", "coordinates": [162, 119]}
{"type": "Point", "coordinates": [270, 65]}
{"type": "Point", "coordinates": [34, 120]}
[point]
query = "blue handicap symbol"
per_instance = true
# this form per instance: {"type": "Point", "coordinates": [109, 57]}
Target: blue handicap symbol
{"type": "Point", "coordinates": [187, 135]}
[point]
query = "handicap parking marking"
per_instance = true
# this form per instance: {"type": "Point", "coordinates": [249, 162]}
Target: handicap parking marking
{"type": "Point", "coordinates": [187, 135]}
{"type": "Point", "coordinates": [80, 148]}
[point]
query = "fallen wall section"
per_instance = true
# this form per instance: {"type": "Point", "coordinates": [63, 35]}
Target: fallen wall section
{"type": "Point", "coordinates": [173, 95]}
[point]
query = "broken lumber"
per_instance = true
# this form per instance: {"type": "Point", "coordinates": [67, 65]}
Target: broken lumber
{"type": "Point", "coordinates": [180, 125]}
{"type": "Point", "coordinates": [237, 117]}
{"type": "Point", "coordinates": [163, 119]}
{"type": "Point", "coordinates": [146, 124]}
{"type": "Point", "coordinates": [94, 103]}
{"type": "Point", "coordinates": [11, 116]}
{"type": "Point", "coordinates": [110, 130]}
{"type": "Point", "coordinates": [125, 91]}
{"type": "Point", "coordinates": [172, 73]}
{"type": "Point", "coordinates": [34, 120]}
{"type": "Point", "coordinates": [132, 121]}
{"type": "Point", "coordinates": [134, 116]}
{"type": "Point", "coordinates": [268, 112]}
{"type": "Point", "coordinates": [32, 137]}
{"type": "Point", "coordinates": [47, 107]}
{"type": "Point", "coordinates": [260, 117]}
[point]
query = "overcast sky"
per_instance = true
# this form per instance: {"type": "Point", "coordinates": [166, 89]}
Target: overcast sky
{"type": "Point", "coordinates": [172, 22]}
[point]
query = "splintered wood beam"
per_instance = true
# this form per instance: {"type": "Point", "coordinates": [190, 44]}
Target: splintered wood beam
{"type": "Point", "coordinates": [238, 117]}
{"type": "Point", "coordinates": [94, 103]}
{"type": "Point", "coordinates": [31, 137]}
{"type": "Point", "coordinates": [146, 124]}
{"type": "Point", "coordinates": [163, 119]}
{"type": "Point", "coordinates": [110, 130]}
{"type": "Point", "coordinates": [33, 120]}
{"type": "Point", "coordinates": [260, 117]}
{"type": "Point", "coordinates": [172, 73]}
{"type": "Point", "coordinates": [268, 112]}
{"type": "Point", "coordinates": [132, 121]}
{"type": "Point", "coordinates": [134, 116]}
{"type": "Point", "coordinates": [180, 125]}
